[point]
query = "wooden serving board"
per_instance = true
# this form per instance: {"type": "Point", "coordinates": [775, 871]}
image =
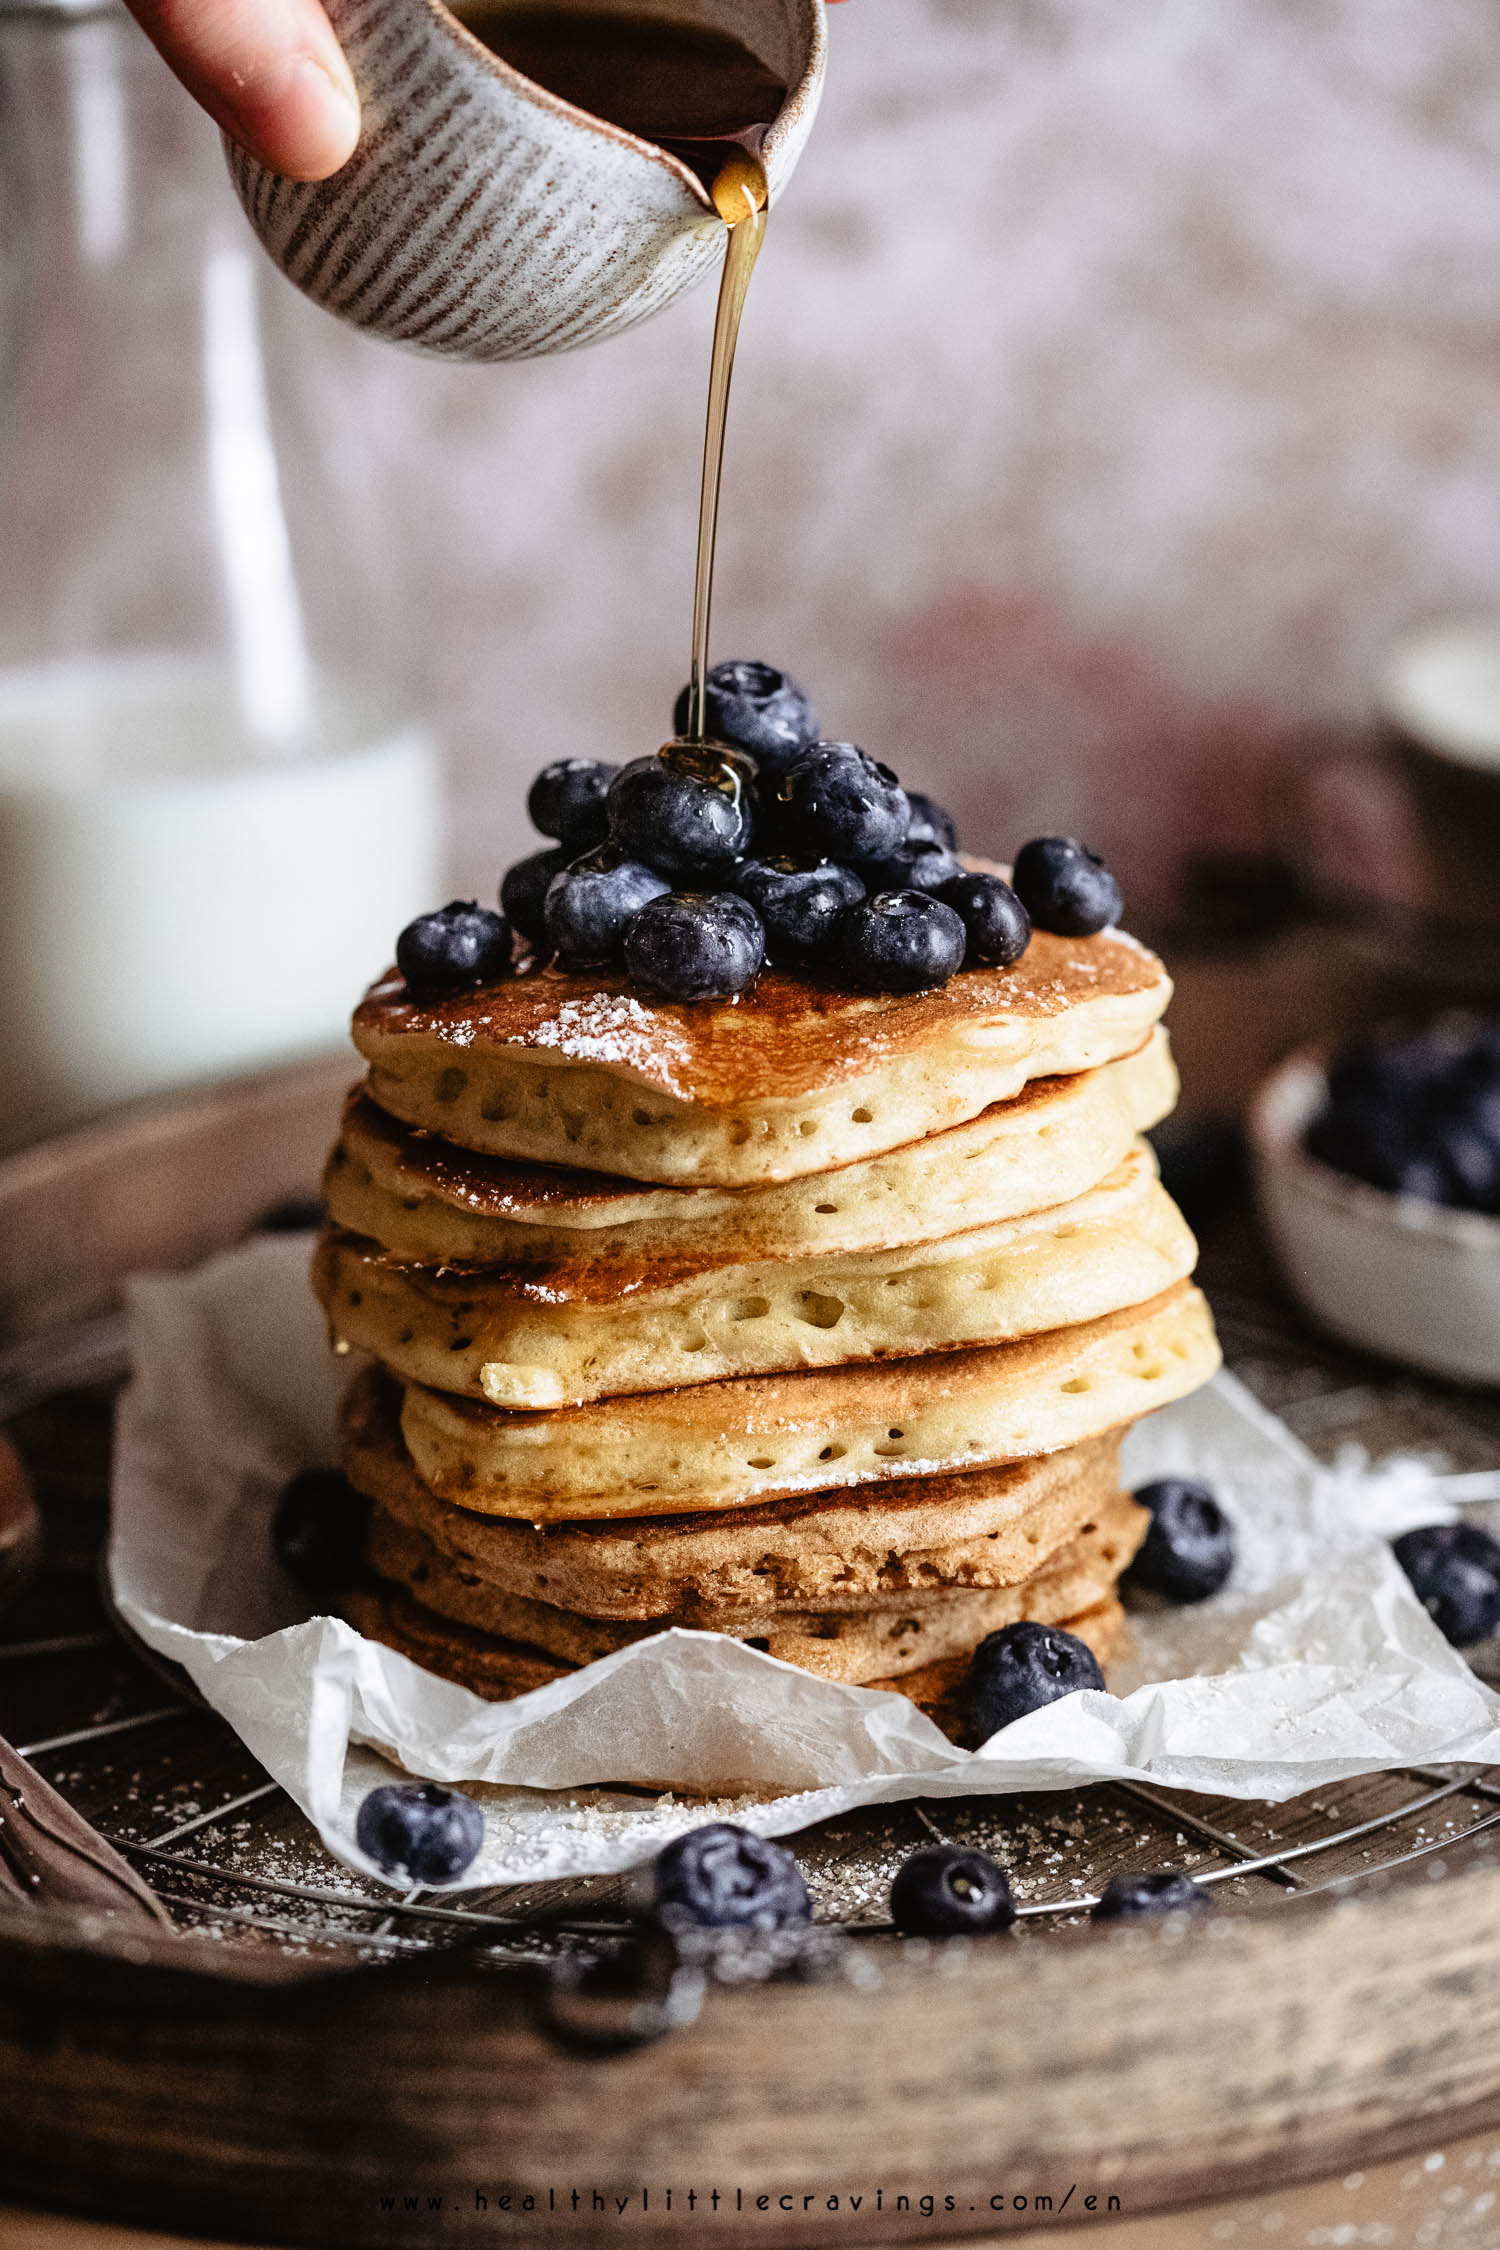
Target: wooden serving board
{"type": "Point", "coordinates": [307, 2060]}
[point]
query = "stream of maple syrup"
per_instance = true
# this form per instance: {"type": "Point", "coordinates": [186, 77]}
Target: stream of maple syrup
{"type": "Point", "coordinates": [739, 194]}
{"type": "Point", "coordinates": [704, 96]}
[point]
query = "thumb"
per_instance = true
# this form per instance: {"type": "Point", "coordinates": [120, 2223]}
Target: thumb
{"type": "Point", "coordinates": [269, 71]}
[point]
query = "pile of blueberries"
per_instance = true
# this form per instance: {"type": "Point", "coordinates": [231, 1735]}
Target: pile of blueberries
{"type": "Point", "coordinates": [697, 866]}
{"type": "Point", "coordinates": [1417, 1112]}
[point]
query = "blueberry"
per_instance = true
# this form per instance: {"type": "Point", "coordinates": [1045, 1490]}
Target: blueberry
{"type": "Point", "coordinates": [567, 800]}
{"type": "Point", "coordinates": [801, 907]}
{"type": "Point", "coordinates": [997, 924]}
{"type": "Point", "coordinates": [722, 1877]}
{"type": "Point", "coordinates": [420, 1831]}
{"type": "Point", "coordinates": [1368, 1148]}
{"type": "Point", "coordinates": [1065, 888]}
{"type": "Point", "coordinates": [318, 1531]}
{"type": "Point", "coordinates": [607, 2003]}
{"type": "Point", "coordinates": [1189, 1550]}
{"type": "Point", "coordinates": [756, 708]}
{"type": "Point", "coordinates": [686, 812]}
{"type": "Point", "coordinates": [1019, 1669]}
{"type": "Point", "coordinates": [931, 823]}
{"type": "Point", "coordinates": [1424, 1178]}
{"type": "Point", "coordinates": [693, 945]}
{"type": "Point", "coordinates": [292, 1214]}
{"type": "Point", "coordinates": [1472, 1160]}
{"type": "Point", "coordinates": [523, 891]}
{"type": "Point", "coordinates": [1387, 1072]}
{"type": "Point", "coordinates": [1454, 1569]}
{"type": "Point", "coordinates": [591, 903]}
{"type": "Point", "coordinates": [1165, 1892]}
{"type": "Point", "coordinates": [1481, 1106]}
{"type": "Point", "coordinates": [839, 804]}
{"type": "Point", "coordinates": [915, 867]}
{"type": "Point", "coordinates": [1417, 1113]}
{"type": "Point", "coordinates": [458, 946]}
{"type": "Point", "coordinates": [941, 1891]}
{"type": "Point", "coordinates": [902, 941]}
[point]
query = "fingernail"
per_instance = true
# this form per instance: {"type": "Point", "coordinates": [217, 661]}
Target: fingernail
{"type": "Point", "coordinates": [336, 92]}
{"type": "Point", "coordinates": [311, 123]}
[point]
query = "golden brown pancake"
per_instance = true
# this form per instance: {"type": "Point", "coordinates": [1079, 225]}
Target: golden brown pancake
{"type": "Point", "coordinates": [722, 1445]}
{"type": "Point", "coordinates": [491, 1667]}
{"type": "Point", "coordinates": [531, 1336]}
{"type": "Point", "coordinates": [500, 1669]}
{"type": "Point", "coordinates": [796, 1076]}
{"type": "Point", "coordinates": [893, 1541]}
{"type": "Point", "coordinates": [431, 1203]}
{"type": "Point", "coordinates": [861, 1644]}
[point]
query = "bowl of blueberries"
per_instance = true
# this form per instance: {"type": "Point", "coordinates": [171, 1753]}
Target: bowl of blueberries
{"type": "Point", "coordinates": [1378, 1178]}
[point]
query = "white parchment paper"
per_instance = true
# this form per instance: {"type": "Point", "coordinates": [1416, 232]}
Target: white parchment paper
{"type": "Point", "coordinates": [1315, 1663]}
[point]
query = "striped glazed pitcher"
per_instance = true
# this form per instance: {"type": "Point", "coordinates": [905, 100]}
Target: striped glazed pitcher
{"type": "Point", "coordinates": [482, 217]}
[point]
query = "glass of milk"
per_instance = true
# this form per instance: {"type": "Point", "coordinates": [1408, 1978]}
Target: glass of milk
{"type": "Point", "coordinates": [216, 806]}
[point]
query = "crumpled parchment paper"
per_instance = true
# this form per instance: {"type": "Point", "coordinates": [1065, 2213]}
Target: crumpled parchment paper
{"type": "Point", "coordinates": [1315, 1663]}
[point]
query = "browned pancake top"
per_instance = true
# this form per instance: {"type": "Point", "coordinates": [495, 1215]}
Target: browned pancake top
{"type": "Point", "coordinates": [786, 1036]}
{"type": "Point", "coordinates": [494, 1187]}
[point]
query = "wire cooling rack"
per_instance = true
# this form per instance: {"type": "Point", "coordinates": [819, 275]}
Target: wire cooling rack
{"type": "Point", "coordinates": [232, 1860]}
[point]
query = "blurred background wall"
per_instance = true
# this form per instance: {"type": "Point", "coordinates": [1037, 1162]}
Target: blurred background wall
{"type": "Point", "coordinates": [1116, 380]}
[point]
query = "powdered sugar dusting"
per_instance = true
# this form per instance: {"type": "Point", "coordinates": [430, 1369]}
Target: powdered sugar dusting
{"type": "Point", "coordinates": [611, 1028]}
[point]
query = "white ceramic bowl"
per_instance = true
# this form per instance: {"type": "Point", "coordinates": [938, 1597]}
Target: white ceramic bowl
{"type": "Point", "coordinates": [1410, 1280]}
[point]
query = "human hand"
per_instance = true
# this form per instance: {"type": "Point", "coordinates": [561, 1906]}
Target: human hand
{"type": "Point", "coordinates": [269, 71]}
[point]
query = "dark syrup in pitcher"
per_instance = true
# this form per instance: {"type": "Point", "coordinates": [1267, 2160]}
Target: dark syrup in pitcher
{"type": "Point", "coordinates": [688, 87]}
{"type": "Point", "coordinates": [707, 98]}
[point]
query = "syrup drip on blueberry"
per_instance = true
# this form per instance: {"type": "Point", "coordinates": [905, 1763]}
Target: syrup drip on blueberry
{"type": "Point", "coordinates": [764, 844]}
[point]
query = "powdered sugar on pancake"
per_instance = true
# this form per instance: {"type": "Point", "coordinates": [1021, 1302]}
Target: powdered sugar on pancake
{"type": "Point", "coordinates": [610, 1027]}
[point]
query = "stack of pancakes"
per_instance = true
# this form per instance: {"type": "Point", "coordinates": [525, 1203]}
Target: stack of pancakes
{"type": "Point", "coordinates": [813, 1318]}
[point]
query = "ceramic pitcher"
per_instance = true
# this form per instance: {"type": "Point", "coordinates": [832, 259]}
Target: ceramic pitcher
{"type": "Point", "coordinates": [484, 218]}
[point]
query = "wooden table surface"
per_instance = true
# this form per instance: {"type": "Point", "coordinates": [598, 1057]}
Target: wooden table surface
{"type": "Point", "coordinates": [1446, 2198]}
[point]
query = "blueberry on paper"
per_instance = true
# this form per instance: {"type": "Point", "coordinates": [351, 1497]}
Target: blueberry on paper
{"type": "Point", "coordinates": [1188, 1552]}
{"type": "Point", "coordinates": [318, 1531]}
{"type": "Point", "coordinates": [687, 812]}
{"type": "Point", "coordinates": [1065, 888]}
{"type": "Point", "coordinates": [722, 1877]}
{"type": "Point", "coordinates": [943, 1891]}
{"type": "Point", "coordinates": [755, 707]}
{"type": "Point", "coordinates": [524, 887]}
{"type": "Point", "coordinates": [1021, 1668]}
{"type": "Point", "coordinates": [590, 905]}
{"type": "Point", "coordinates": [455, 948]}
{"type": "Point", "coordinates": [693, 945]}
{"type": "Point", "coordinates": [1454, 1569]}
{"type": "Point", "coordinates": [840, 804]}
{"type": "Point", "coordinates": [801, 907]}
{"type": "Point", "coordinates": [567, 800]}
{"type": "Point", "coordinates": [995, 922]}
{"type": "Point", "coordinates": [1164, 1892]}
{"type": "Point", "coordinates": [419, 1831]}
{"type": "Point", "coordinates": [902, 941]}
